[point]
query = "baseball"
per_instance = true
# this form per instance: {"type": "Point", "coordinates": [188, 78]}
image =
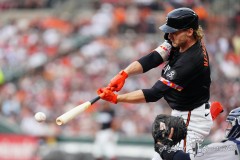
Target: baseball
{"type": "Point", "coordinates": [40, 116]}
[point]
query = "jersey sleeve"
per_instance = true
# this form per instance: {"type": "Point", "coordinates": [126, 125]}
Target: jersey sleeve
{"type": "Point", "coordinates": [156, 92]}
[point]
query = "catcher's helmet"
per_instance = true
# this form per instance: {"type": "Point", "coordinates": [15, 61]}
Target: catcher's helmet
{"type": "Point", "coordinates": [234, 119]}
{"type": "Point", "coordinates": [181, 18]}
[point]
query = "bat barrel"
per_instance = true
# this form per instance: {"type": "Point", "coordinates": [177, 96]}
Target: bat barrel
{"type": "Point", "coordinates": [59, 121]}
{"type": "Point", "coordinates": [72, 113]}
{"type": "Point", "coordinates": [75, 111]}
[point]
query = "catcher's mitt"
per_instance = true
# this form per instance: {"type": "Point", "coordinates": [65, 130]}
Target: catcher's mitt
{"type": "Point", "coordinates": [161, 129]}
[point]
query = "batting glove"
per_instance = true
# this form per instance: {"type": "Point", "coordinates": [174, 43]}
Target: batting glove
{"type": "Point", "coordinates": [118, 81]}
{"type": "Point", "coordinates": [107, 95]}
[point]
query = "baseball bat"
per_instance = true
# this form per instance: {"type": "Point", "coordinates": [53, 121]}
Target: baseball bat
{"type": "Point", "coordinates": [69, 115]}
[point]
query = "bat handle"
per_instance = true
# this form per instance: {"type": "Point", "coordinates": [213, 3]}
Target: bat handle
{"type": "Point", "coordinates": [98, 97]}
{"type": "Point", "coordinates": [94, 99]}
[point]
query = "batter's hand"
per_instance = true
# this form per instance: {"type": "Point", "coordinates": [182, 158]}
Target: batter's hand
{"type": "Point", "coordinates": [118, 81]}
{"type": "Point", "coordinates": [107, 95]}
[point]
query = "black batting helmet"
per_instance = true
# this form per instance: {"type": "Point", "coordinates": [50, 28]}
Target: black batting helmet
{"type": "Point", "coordinates": [181, 18]}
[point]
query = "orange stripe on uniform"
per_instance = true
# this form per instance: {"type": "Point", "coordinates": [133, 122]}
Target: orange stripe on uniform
{"type": "Point", "coordinates": [171, 84]}
{"type": "Point", "coordinates": [185, 139]}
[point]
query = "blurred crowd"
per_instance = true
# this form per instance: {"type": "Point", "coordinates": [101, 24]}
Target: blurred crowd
{"type": "Point", "coordinates": [121, 32]}
{"type": "Point", "coordinates": [28, 4]}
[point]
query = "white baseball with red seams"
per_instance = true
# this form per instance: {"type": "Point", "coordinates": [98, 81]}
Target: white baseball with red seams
{"type": "Point", "coordinates": [40, 116]}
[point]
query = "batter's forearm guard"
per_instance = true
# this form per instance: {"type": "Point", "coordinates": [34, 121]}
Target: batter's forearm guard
{"type": "Point", "coordinates": [150, 61]}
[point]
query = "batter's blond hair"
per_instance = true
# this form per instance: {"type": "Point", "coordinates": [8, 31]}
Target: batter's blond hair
{"type": "Point", "coordinates": [198, 34]}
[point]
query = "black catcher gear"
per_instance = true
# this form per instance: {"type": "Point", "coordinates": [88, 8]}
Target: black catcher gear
{"type": "Point", "coordinates": [162, 127]}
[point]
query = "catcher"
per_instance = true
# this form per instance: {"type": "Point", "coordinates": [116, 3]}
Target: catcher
{"type": "Point", "coordinates": [229, 147]}
{"type": "Point", "coordinates": [167, 131]}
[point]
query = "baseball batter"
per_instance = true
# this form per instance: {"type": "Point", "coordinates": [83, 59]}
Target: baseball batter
{"type": "Point", "coordinates": [185, 79]}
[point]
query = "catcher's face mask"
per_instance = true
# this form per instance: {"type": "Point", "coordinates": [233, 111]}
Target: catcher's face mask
{"type": "Point", "coordinates": [233, 130]}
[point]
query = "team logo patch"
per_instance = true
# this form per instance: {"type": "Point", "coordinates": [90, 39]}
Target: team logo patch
{"type": "Point", "coordinates": [171, 75]}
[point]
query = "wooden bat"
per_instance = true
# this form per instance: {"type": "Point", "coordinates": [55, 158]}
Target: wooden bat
{"type": "Point", "coordinates": [69, 115]}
